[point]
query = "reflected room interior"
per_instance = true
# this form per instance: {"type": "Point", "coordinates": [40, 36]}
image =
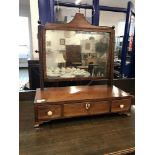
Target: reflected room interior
{"type": "Point", "coordinates": [72, 54]}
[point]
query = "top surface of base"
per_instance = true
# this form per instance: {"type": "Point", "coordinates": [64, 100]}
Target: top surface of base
{"type": "Point", "coordinates": [75, 93]}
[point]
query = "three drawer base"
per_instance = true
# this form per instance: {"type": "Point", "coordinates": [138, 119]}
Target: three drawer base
{"type": "Point", "coordinates": [49, 111]}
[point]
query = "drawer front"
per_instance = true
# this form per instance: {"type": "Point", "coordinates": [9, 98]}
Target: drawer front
{"type": "Point", "coordinates": [86, 108]}
{"type": "Point", "coordinates": [121, 105]}
{"type": "Point", "coordinates": [49, 112]}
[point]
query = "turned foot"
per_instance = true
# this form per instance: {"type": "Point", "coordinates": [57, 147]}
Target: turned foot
{"type": "Point", "coordinates": [125, 113]}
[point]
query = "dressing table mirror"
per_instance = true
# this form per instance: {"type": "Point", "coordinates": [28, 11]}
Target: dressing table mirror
{"type": "Point", "coordinates": [77, 51]}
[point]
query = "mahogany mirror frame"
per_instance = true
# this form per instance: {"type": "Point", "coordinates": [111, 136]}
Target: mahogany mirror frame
{"type": "Point", "coordinates": [79, 23]}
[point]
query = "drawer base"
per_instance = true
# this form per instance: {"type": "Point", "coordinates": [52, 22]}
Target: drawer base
{"type": "Point", "coordinates": [77, 101]}
{"type": "Point", "coordinates": [79, 109]}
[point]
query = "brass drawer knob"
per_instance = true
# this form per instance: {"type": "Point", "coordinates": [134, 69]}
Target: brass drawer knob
{"type": "Point", "coordinates": [121, 106]}
{"type": "Point", "coordinates": [87, 106]}
{"type": "Point", "coordinates": [49, 113]}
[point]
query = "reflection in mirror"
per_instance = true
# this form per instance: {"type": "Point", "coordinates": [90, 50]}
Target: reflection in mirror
{"type": "Point", "coordinates": [76, 54]}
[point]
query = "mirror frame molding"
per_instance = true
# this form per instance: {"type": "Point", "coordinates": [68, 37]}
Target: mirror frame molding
{"type": "Point", "coordinates": [79, 23]}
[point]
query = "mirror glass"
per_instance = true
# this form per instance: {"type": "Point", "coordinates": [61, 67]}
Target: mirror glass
{"type": "Point", "coordinates": [73, 54]}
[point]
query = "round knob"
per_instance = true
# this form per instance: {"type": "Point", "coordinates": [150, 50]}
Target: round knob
{"type": "Point", "coordinates": [122, 106]}
{"type": "Point", "coordinates": [87, 106]}
{"type": "Point", "coordinates": [49, 113]}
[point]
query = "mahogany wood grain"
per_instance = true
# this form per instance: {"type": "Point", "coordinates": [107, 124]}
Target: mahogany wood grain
{"type": "Point", "coordinates": [43, 112]}
{"type": "Point", "coordinates": [41, 41]}
{"type": "Point", "coordinates": [78, 93]}
{"type": "Point", "coordinates": [115, 107]}
{"type": "Point", "coordinates": [79, 22]}
{"type": "Point", "coordinates": [80, 109]}
{"type": "Point", "coordinates": [79, 101]}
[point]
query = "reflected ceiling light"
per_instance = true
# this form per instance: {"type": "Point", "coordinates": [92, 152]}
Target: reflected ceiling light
{"type": "Point", "coordinates": [77, 2]}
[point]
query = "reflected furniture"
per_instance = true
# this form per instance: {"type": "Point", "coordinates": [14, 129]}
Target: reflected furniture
{"type": "Point", "coordinates": [77, 51]}
{"type": "Point", "coordinates": [73, 55]}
